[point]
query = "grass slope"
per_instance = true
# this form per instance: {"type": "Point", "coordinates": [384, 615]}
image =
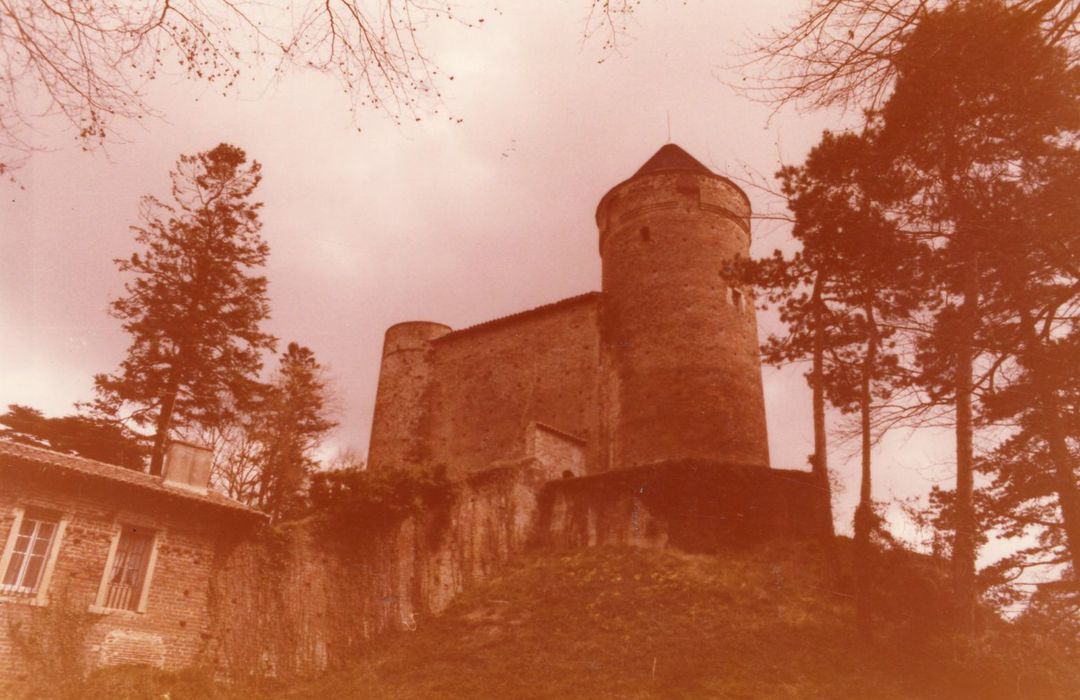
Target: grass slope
{"type": "Point", "coordinates": [634, 623]}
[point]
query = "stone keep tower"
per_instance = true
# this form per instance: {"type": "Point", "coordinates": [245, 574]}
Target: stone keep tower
{"type": "Point", "coordinates": [399, 426]}
{"type": "Point", "coordinates": [683, 373]}
{"type": "Point", "coordinates": [661, 365]}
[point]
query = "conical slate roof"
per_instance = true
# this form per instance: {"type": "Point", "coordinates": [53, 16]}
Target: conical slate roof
{"type": "Point", "coordinates": [671, 157]}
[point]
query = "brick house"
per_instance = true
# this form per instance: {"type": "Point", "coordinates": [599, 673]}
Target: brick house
{"type": "Point", "coordinates": [120, 558]}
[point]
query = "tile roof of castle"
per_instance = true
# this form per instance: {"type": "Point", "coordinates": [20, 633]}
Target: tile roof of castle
{"type": "Point", "coordinates": [521, 315]}
{"type": "Point", "coordinates": [14, 455]}
{"type": "Point", "coordinates": [671, 157]}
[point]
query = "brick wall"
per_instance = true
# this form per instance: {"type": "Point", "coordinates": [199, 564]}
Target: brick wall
{"type": "Point", "coordinates": [175, 626]}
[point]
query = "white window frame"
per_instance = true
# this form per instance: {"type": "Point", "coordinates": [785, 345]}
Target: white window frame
{"type": "Point", "coordinates": [41, 596]}
{"type": "Point", "coordinates": [148, 578]}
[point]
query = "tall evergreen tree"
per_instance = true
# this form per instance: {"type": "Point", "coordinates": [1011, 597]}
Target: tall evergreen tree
{"type": "Point", "coordinates": [93, 438]}
{"type": "Point", "coordinates": [194, 308]}
{"type": "Point", "coordinates": [1036, 472]}
{"type": "Point", "coordinates": [798, 286]}
{"type": "Point", "coordinates": [842, 293]}
{"type": "Point", "coordinates": [290, 424]}
{"type": "Point", "coordinates": [978, 92]}
{"type": "Point", "coordinates": [837, 198]}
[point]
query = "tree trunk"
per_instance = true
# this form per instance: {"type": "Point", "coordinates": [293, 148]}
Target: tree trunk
{"type": "Point", "coordinates": [820, 465]}
{"type": "Point", "coordinates": [963, 561]}
{"type": "Point", "coordinates": [1064, 476]}
{"type": "Point", "coordinates": [1054, 433]}
{"type": "Point", "coordinates": [164, 422]}
{"type": "Point", "coordinates": [864, 512]}
{"type": "Point", "coordinates": [1065, 480]}
{"type": "Point", "coordinates": [865, 401]}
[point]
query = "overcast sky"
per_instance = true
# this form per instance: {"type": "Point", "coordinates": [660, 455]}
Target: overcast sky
{"type": "Point", "coordinates": [432, 220]}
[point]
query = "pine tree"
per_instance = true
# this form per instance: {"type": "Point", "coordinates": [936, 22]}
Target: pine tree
{"type": "Point", "coordinates": [838, 198]}
{"type": "Point", "coordinates": [85, 436]}
{"type": "Point", "coordinates": [979, 92]}
{"type": "Point", "coordinates": [194, 307]}
{"type": "Point", "coordinates": [290, 424]}
{"type": "Point", "coordinates": [1036, 472]}
{"type": "Point", "coordinates": [842, 294]}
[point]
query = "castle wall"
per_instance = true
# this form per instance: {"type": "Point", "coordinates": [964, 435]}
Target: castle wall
{"type": "Point", "coordinates": [246, 601]}
{"type": "Point", "coordinates": [399, 425]}
{"type": "Point", "coordinates": [560, 455]}
{"type": "Point", "coordinates": [294, 601]}
{"type": "Point", "coordinates": [490, 382]}
{"type": "Point", "coordinates": [662, 365]}
{"type": "Point", "coordinates": [695, 505]}
{"type": "Point", "coordinates": [291, 602]}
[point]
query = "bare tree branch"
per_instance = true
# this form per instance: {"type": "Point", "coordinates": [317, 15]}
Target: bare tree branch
{"type": "Point", "coordinates": [840, 53]}
{"type": "Point", "coordinates": [90, 64]}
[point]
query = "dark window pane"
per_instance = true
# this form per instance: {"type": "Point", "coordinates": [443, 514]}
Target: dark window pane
{"type": "Point", "coordinates": [42, 542]}
{"type": "Point", "coordinates": [11, 576]}
{"type": "Point", "coordinates": [33, 570]}
{"type": "Point", "coordinates": [28, 556]}
{"type": "Point", "coordinates": [128, 570]}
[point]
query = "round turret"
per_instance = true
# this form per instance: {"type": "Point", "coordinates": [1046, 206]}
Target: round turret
{"type": "Point", "coordinates": [684, 377]}
{"type": "Point", "coordinates": [398, 429]}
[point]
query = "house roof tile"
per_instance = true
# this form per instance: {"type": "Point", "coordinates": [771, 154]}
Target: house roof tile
{"type": "Point", "coordinates": [15, 455]}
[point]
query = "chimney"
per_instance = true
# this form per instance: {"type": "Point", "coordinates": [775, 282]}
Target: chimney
{"type": "Point", "coordinates": [187, 466]}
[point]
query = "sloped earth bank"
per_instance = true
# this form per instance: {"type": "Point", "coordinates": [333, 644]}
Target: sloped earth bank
{"type": "Point", "coordinates": [619, 622]}
{"type": "Point", "coordinates": [638, 623]}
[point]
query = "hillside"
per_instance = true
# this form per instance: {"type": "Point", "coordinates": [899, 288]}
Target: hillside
{"type": "Point", "coordinates": [634, 623]}
{"type": "Point", "coordinates": [615, 622]}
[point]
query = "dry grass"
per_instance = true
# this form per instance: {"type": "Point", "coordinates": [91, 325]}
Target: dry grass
{"type": "Point", "coordinates": [633, 623]}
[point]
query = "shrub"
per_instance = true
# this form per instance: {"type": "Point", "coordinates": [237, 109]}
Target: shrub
{"type": "Point", "coordinates": [52, 641]}
{"type": "Point", "coordinates": [360, 501]}
{"type": "Point", "coordinates": [142, 682]}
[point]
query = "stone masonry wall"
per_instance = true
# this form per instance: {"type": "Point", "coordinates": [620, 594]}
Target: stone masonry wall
{"type": "Point", "coordinates": [399, 425]}
{"type": "Point", "coordinates": [288, 602]}
{"type": "Point", "coordinates": [492, 381]}
{"type": "Point", "coordinates": [561, 454]}
{"type": "Point", "coordinates": [685, 376]}
{"type": "Point", "coordinates": [695, 505]}
{"type": "Point", "coordinates": [291, 601]}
